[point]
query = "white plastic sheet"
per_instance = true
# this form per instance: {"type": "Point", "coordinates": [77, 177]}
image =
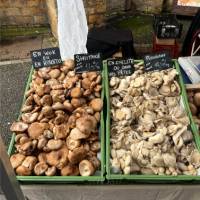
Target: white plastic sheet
{"type": "Point", "coordinates": [72, 28]}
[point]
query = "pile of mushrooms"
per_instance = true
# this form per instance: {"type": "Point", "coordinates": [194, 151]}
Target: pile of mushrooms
{"type": "Point", "coordinates": [58, 130]}
{"type": "Point", "coordinates": [194, 103]}
{"type": "Point", "coordinates": [149, 128]}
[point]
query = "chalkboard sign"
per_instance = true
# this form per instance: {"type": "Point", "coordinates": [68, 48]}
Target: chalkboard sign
{"type": "Point", "coordinates": [120, 67]}
{"type": "Point", "coordinates": [157, 61]}
{"type": "Point", "coordinates": [87, 62]}
{"type": "Point", "coordinates": [46, 57]}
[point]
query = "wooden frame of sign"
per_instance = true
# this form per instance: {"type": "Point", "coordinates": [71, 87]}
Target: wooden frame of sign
{"type": "Point", "coordinates": [184, 10]}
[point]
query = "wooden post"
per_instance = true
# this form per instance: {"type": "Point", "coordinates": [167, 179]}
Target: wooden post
{"type": "Point", "coordinates": [53, 17]}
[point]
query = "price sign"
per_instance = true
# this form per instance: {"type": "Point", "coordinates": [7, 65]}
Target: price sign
{"type": "Point", "coordinates": [46, 57]}
{"type": "Point", "coordinates": [87, 62]}
{"type": "Point", "coordinates": [157, 61]}
{"type": "Point", "coordinates": [120, 67]}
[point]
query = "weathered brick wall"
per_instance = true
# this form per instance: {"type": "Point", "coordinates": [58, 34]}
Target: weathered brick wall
{"type": "Point", "coordinates": [148, 6]}
{"type": "Point", "coordinates": [95, 11]}
{"type": "Point", "coordinates": [22, 12]}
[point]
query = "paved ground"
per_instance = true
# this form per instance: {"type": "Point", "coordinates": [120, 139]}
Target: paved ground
{"type": "Point", "coordinates": [12, 83]}
{"type": "Point", "coordinates": [20, 48]}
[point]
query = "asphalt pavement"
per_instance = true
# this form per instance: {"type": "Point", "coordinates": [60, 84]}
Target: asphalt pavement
{"type": "Point", "coordinates": [13, 78]}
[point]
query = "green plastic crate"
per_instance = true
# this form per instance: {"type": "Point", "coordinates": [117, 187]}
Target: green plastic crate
{"type": "Point", "coordinates": [97, 178]}
{"type": "Point", "coordinates": [121, 178]}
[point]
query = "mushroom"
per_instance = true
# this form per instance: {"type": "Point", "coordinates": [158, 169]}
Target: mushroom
{"type": "Point", "coordinates": [77, 155]}
{"type": "Point", "coordinates": [51, 171]}
{"type": "Point", "coordinates": [40, 168]}
{"type": "Point", "coordinates": [72, 144]}
{"type": "Point", "coordinates": [96, 104]}
{"type": "Point", "coordinates": [61, 131]}
{"type": "Point", "coordinates": [197, 99]}
{"type": "Point", "coordinates": [70, 170]}
{"type": "Point", "coordinates": [16, 160]}
{"type": "Point", "coordinates": [54, 144]}
{"type": "Point", "coordinates": [29, 117]}
{"type": "Point", "coordinates": [23, 171]}
{"type": "Point", "coordinates": [86, 168]}
{"type": "Point", "coordinates": [76, 92]}
{"type": "Point", "coordinates": [29, 162]}
{"type": "Point", "coordinates": [18, 127]}
{"type": "Point", "coordinates": [76, 134]}
{"type": "Point", "coordinates": [36, 129]}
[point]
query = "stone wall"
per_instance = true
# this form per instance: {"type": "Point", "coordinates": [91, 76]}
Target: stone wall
{"type": "Point", "coordinates": [34, 12]}
{"type": "Point", "coordinates": [95, 11]}
{"type": "Point", "coordinates": [23, 12]}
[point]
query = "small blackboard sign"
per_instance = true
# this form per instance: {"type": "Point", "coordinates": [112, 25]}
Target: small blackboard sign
{"type": "Point", "coordinates": [87, 62]}
{"type": "Point", "coordinates": [157, 61]}
{"type": "Point", "coordinates": [46, 57]}
{"type": "Point", "coordinates": [120, 67]}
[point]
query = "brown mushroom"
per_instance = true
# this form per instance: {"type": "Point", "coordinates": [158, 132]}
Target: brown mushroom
{"type": "Point", "coordinates": [77, 155]}
{"type": "Point", "coordinates": [29, 162]}
{"type": "Point", "coordinates": [86, 124]}
{"type": "Point", "coordinates": [197, 99]}
{"type": "Point", "coordinates": [72, 144]}
{"type": "Point", "coordinates": [29, 117]}
{"type": "Point", "coordinates": [70, 170]}
{"type": "Point", "coordinates": [18, 127]}
{"type": "Point", "coordinates": [86, 168]}
{"type": "Point", "coordinates": [97, 116]}
{"type": "Point", "coordinates": [76, 134]}
{"type": "Point", "coordinates": [58, 106]}
{"type": "Point", "coordinates": [96, 104]}
{"type": "Point", "coordinates": [95, 146]}
{"type": "Point", "coordinates": [51, 171]}
{"type": "Point", "coordinates": [47, 112]}
{"type": "Point", "coordinates": [46, 100]}
{"type": "Point", "coordinates": [42, 157]}
{"type": "Point", "coordinates": [42, 141]}
{"type": "Point", "coordinates": [26, 108]}
{"type": "Point", "coordinates": [48, 134]}
{"type": "Point", "coordinates": [77, 102]}
{"type": "Point", "coordinates": [54, 144]}
{"type": "Point", "coordinates": [69, 63]}
{"type": "Point", "coordinates": [54, 73]}
{"type": "Point", "coordinates": [76, 92]}
{"type": "Point", "coordinates": [86, 83]}
{"type": "Point", "coordinates": [36, 129]}
{"type": "Point", "coordinates": [23, 171]}
{"type": "Point", "coordinates": [92, 75]}
{"type": "Point", "coordinates": [68, 106]}
{"type": "Point", "coordinates": [61, 131]}
{"type": "Point", "coordinates": [16, 160]}
{"type": "Point", "coordinates": [40, 168]}
{"type": "Point", "coordinates": [95, 161]}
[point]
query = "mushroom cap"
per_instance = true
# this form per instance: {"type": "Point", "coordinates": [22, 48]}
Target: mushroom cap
{"type": "Point", "coordinates": [51, 171]}
{"type": "Point", "coordinates": [42, 157]}
{"type": "Point", "coordinates": [86, 124]}
{"type": "Point", "coordinates": [70, 170]}
{"type": "Point", "coordinates": [72, 144]}
{"type": "Point", "coordinates": [23, 171]}
{"type": "Point", "coordinates": [61, 131]}
{"type": "Point", "coordinates": [86, 83]}
{"type": "Point", "coordinates": [54, 144]}
{"type": "Point", "coordinates": [18, 127]}
{"type": "Point", "coordinates": [77, 155]}
{"type": "Point", "coordinates": [54, 73]}
{"type": "Point", "coordinates": [16, 160]}
{"type": "Point", "coordinates": [29, 162]}
{"type": "Point", "coordinates": [96, 104]}
{"type": "Point", "coordinates": [95, 161]}
{"type": "Point", "coordinates": [76, 134]}
{"type": "Point", "coordinates": [77, 102]}
{"type": "Point", "coordinates": [95, 146]}
{"type": "Point", "coordinates": [69, 63]}
{"type": "Point", "coordinates": [36, 129]}
{"type": "Point", "coordinates": [29, 117]}
{"type": "Point", "coordinates": [76, 92]}
{"type": "Point", "coordinates": [197, 99]}
{"type": "Point", "coordinates": [86, 168]}
{"type": "Point", "coordinates": [40, 168]}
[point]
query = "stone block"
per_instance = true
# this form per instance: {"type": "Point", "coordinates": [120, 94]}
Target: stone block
{"type": "Point", "coordinates": [24, 20]}
{"type": "Point", "coordinates": [32, 3]}
{"type": "Point", "coordinates": [17, 3]}
{"type": "Point", "coordinates": [12, 12]}
{"type": "Point", "coordinates": [40, 20]}
{"type": "Point", "coordinates": [33, 11]}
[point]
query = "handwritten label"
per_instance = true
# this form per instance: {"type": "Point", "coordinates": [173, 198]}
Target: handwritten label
{"type": "Point", "coordinates": [87, 62]}
{"type": "Point", "coordinates": [157, 61]}
{"type": "Point", "coordinates": [120, 67]}
{"type": "Point", "coordinates": [46, 57]}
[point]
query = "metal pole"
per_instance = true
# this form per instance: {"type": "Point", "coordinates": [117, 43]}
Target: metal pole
{"type": "Point", "coordinates": [8, 181]}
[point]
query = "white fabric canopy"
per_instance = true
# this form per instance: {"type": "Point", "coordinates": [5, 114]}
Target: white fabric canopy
{"type": "Point", "coordinates": [72, 28]}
